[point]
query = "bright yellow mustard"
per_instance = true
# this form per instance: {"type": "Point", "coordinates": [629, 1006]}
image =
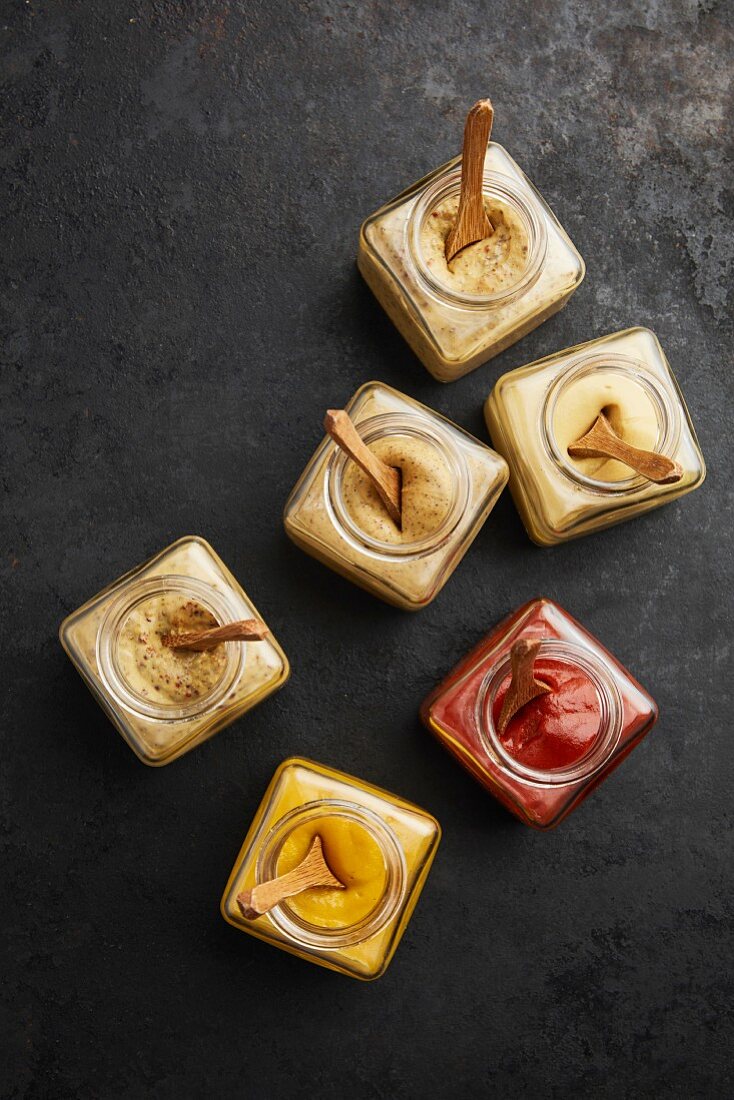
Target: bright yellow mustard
{"type": "Point", "coordinates": [353, 855]}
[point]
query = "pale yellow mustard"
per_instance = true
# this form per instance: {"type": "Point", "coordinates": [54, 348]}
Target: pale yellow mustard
{"type": "Point", "coordinates": [625, 404]}
{"type": "Point", "coordinates": [486, 267]}
{"type": "Point", "coordinates": [427, 491]}
{"type": "Point", "coordinates": [159, 672]}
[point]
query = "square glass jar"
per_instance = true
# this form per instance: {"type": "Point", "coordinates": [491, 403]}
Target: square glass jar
{"type": "Point", "coordinates": [452, 333]}
{"type": "Point", "coordinates": [303, 795]}
{"type": "Point", "coordinates": [530, 413]}
{"type": "Point", "coordinates": [576, 735]}
{"type": "Point", "coordinates": [409, 574]}
{"type": "Point", "coordinates": [97, 638]}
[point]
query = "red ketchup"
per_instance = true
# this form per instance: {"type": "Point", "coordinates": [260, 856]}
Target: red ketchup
{"type": "Point", "coordinates": [555, 730]}
{"type": "Point", "coordinates": [558, 747]}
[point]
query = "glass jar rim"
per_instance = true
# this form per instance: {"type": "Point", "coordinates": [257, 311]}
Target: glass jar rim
{"type": "Point", "coordinates": [214, 600]}
{"type": "Point", "coordinates": [665, 407]}
{"type": "Point", "coordinates": [312, 935]}
{"type": "Point", "coordinates": [505, 189]}
{"type": "Point", "coordinates": [395, 424]}
{"type": "Point", "coordinates": [610, 715]}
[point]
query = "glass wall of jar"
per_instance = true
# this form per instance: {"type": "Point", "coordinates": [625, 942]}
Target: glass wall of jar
{"type": "Point", "coordinates": [378, 845]}
{"type": "Point", "coordinates": [495, 292]}
{"type": "Point", "coordinates": [557, 747]}
{"type": "Point", "coordinates": [535, 412]}
{"type": "Point", "coordinates": [165, 701]}
{"type": "Point", "coordinates": [450, 483]}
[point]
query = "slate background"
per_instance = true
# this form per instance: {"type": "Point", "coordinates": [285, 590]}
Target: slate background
{"type": "Point", "coordinates": [183, 185]}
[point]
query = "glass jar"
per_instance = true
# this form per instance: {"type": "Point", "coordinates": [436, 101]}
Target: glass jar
{"type": "Point", "coordinates": [452, 333]}
{"type": "Point", "coordinates": [223, 683]}
{"type": "Point", "coordinates": [534, 412]}
{"type": "Point", "coordinates": [300, 795]}
{"type": "Point", "coordinates": [593, 717]}
{"type": "Point", "coordinates": [406, 573]}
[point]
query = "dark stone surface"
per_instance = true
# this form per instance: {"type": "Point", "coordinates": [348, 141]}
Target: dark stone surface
{"type": "Point", "coordinates": [182, 189]}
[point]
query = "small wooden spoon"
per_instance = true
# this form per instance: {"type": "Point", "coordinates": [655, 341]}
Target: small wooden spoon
{"type": "Point", "coordinates": [387, 480]}
{"type": "Point", "coordinates": [601, 441]}
{"type": "Point", "coordinates": [523, 686]}
{"type": "Point", "coordinates": [472, 223]}
{"type": "Point", "coordinates": [311, 871]}
{"type": "Point", "coordinates": [242, 631]}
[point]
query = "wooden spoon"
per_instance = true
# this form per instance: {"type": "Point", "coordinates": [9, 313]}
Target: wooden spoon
{"type": "Point", "coordinates": [242, 631]}
{"type": "Point", "coordinates": [387, 480]}
{"type": "Point", "coordinates": [601, 441]}
{"type": "Point", "coordinates": [523, 686]}
{"type": "Point", "coordinates": [311, 871]}
{"type": "Point", "coordinates": [472, 223]}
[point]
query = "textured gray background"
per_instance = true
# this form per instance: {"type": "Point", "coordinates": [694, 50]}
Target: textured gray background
{"type": "Point", "coordinates": [182, 189]}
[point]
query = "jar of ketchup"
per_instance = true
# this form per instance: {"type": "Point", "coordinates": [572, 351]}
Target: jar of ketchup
{"type": "Point", "coordinates": [557, 747]}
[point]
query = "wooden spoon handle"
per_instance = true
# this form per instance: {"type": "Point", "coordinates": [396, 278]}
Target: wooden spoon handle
{"type": "Point", "coordinates": [603, 442]}
{"type": "Point", "coordinates": [523, 686]}
{"type": "Point", "coordinates": [312, 871]}
{"type": "Point", "coordinates": [477, 128]}
{"type": "Point", "coordinates": [471, 222]}
{"type": "Point", "coordinates": [386, 479]}
{"type": "Point", "coordinates": [242, 631]}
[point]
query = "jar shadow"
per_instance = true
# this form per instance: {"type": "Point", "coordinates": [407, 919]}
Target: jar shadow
{"type": "Point", "coordinates": [394, 360]}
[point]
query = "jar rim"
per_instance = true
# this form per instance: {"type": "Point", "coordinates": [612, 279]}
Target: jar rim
{"type": "Point", "coordinates": [214, 600]}
{"type": "Point", "coordinates": [395, 424]}
{"type": "Point", "coordinates": [505, 189]}
{"type": "Point", "coordinates": [610, 715]}
{"type": "Point", "coordinates": [666, 410]}
{"type": "Point", "coordinates": [312, 935]}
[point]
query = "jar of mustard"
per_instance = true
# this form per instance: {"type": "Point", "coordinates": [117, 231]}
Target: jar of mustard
{"type": "Point", "coordinates": [450, 483]}
{"type": "Point", "coordinates": [536, 412]}
{"type": "Point", "coordinates": [165, 701]}
{"type": "Point", "coordinates": [457, 316]}
{"type": "Point", "coordinates": [377, 845]}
